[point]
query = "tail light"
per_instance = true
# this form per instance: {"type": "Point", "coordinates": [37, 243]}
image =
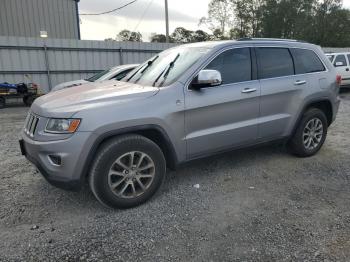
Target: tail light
{"type": "Point", "coordinates": [338, 80]}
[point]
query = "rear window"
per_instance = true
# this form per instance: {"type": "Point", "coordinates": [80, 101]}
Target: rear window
{"type": "Point", "coordinates": [340, 58]}
{"type": "Point", "coordinates": [306, 61]}
{"type": "Point", "coordinates": [274, 62]}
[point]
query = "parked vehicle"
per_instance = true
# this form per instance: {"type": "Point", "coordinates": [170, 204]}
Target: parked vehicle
{"type": "Point", "coordinates": [341, 62]}
{"type": "Point", "coordinates": [25, 92]}
{"type": "Point", "coordinates": [117, 73]}
{"type": "Point", "coordinates": [187, 102]}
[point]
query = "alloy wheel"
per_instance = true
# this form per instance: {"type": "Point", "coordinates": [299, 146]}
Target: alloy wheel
{"type": "Point", "coordinates": [313, 133]}
{"type": "Point", "coordinates": [131, 174]}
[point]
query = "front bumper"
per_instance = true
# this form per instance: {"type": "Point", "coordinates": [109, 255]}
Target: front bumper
{"type": "Point", "coordinates": [73, 153]}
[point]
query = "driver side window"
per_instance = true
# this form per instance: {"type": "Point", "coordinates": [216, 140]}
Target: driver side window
{"type": "Point", "coordinates": [234, 65]}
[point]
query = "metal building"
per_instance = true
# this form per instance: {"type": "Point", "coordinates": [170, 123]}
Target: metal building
{"type": "Point", "coordinates": [59, 18]}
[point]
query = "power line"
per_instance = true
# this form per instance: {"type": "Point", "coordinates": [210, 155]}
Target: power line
{"type": "Point", "coordinates": [113, 10]}
{"type": "Point", "coordinates": [143, 15]}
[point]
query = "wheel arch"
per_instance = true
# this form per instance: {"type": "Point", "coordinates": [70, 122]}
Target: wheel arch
{"type": "Point", "coordinates": [153, 132]}
{"type": "Point", "coordinates": [324, 104]}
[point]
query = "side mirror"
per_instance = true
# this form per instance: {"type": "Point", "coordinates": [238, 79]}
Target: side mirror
{"type": "Point", "coordinates": [206, 78]}
{"type": "Point", "coordinates": [339, 64]}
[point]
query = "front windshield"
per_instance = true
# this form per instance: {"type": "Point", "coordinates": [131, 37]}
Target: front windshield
{"type": "Point", "coordinates": [98, 76]}
{"type": "Point", "coordinates": [167, 67]}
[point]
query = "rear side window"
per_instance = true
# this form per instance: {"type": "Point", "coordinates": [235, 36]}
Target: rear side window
{"type": "Point", "coordinates": [340, 58]}
{"type": "Point", "coordinates": [234, 65]}
{"type": "Point", "coordinates": [349, 58]}
{"type": "Point", "coordinates": [274, 62]}
{"type": "Point", "coordinates": [306, 61]}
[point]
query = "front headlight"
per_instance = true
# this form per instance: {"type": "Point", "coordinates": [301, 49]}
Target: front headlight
{"type": "Point", "coordinates": [62, 126]}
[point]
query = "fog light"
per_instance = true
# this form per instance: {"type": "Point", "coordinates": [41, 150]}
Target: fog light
{"type": "Point", "coordinates": [56, 160]}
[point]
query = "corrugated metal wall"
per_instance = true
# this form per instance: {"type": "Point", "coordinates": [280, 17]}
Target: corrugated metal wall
{"type": "Point", "coordinates": [28, 17]}
{"type": "Point", "coordinates": [53, 61]}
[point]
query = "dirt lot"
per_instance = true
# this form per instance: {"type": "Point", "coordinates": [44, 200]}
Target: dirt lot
{"type": "Point", "coordinates": [257, 204]}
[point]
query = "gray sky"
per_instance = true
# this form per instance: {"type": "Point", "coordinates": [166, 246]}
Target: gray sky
{"type": "Point", "coordinates": [145, 16]}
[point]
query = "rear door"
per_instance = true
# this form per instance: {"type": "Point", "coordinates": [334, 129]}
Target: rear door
{"type": "Point", "coordinates": [225, 116]}
{"type": "Point", "coordinates": [341, 65]}
{"type": "Point", "coordinates": [280, 91]}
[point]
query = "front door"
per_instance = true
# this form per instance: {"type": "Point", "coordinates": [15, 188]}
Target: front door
{"type": "Point", "coordinates": [217, 118]}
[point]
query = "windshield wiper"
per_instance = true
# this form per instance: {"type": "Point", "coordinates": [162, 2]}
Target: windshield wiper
{"type": "Point", "coordinates": [149, 63]}
{"type": "Point", "coordinates": [166, 71]}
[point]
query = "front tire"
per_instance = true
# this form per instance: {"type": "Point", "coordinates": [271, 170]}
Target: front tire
{"type": "Point", "coordinates": [310, 133]}
{"type": "Point", "coordinates": [127, 171]}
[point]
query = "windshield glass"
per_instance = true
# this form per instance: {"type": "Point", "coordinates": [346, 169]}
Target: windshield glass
{"type": "Point", "coordinates": [166, 67]}
{"type": "Point", "coordinates": [98, 76]}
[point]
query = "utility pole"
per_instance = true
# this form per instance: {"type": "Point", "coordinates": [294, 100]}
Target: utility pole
{"type": "Point", "coordinates": [166, 22]}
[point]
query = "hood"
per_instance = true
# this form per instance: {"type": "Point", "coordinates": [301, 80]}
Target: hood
{"type": "Point", "coordinates": [69, 84]}
{"type": "Point", "coordinates": [66, 102]}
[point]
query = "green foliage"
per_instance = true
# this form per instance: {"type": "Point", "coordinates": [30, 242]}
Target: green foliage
{"type": "Point", "coordinates": [219, 15]}
{"type": "Point", "coordinates": [323, 22]}
{"type": "Point", "coordinates": [182, 35]}
{"type": "Point", "coordinates": [126, 35]}
{"type": "Point", "coordinates": [158, 38]}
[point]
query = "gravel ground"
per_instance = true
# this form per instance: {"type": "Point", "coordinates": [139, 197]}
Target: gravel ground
{"type": "Point", "coordinates": [252, 205]}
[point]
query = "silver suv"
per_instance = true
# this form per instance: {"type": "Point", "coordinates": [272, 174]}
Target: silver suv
{"type": "Point", "coordinates": [185, 103]}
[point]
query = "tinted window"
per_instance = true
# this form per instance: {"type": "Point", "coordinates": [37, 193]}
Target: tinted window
{"type": "Point", "coordinates": [340, 58]}
{"type": "Point", "coordinates": [234, 65]}
{"type": "Point", "coordinates": [274, 62]}
{"type": "Point", "coordinates": [306, 61]}
{"type": "Point", "coordinates": [349, 58]}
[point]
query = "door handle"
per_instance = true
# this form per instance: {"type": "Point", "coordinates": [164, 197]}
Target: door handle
{"type": "Point", "coordinates": [347, 69]}
{"type": "Point", "coordinates": [248, 90]}
{"type": "Point", "coordinates": [300, 82]}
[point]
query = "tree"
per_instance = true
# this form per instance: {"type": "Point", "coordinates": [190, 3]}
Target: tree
{"type": "Point", "coordinates": [110, 40]}
{"type": "Point", "coordinates": [323, 22]}
{"type": "Point", "coordinates": [126, 35]}
{"type": "Point", "coordinates": [248, 16]}
{"type": "Point", "coordinates": [158, 38]}
{"type": "Point", "coordinates": [220, 15]}
{"type": "Point", "coordinates": [182, 35]}
{"type": "Point", "coordinates": [200, 36]}
{"type": "Point", "coordinates": [218, 35]}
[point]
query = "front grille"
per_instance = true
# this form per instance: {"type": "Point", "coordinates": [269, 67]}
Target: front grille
{"type": "Point", "coordinates": [31, 124]}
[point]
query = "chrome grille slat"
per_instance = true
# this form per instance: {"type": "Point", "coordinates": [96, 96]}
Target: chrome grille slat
{"type": "Point", "coordinates": [31, 124]}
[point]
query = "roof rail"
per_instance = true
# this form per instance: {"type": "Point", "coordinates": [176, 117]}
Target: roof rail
{"type": "Point", "coordinates": [270, 39]}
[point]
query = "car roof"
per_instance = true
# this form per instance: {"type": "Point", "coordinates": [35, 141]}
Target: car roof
{"type": "Point", "coordinates": [245, 41]}
{"type": "Point", "coordinates": [337, 53]}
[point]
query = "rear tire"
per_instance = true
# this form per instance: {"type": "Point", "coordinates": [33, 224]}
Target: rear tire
{"type": "Point", "coordinates": [2, 102]}
{"type": "Point", "coordinates": [127, 171]}
{"type": "Point", "coordinates": [310, 133]}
